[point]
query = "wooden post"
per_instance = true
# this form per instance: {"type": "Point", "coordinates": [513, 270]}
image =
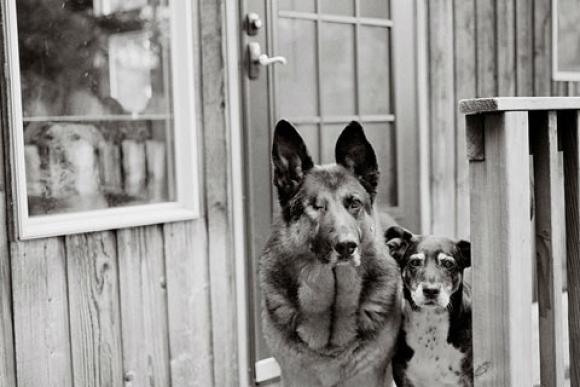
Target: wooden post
{"type": "Point", "coordinates": [500, 234]}
{"type": "Point", "coordinates": [569, 131]}
{"type": "Point", "coordinates": [549, 245]}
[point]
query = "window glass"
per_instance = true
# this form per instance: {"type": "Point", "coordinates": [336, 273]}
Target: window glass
{"type": "Point", "coordinates": [96, 103]}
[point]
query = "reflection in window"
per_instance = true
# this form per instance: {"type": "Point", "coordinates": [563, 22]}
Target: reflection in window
{"type": "Point", "coordinates": [96, 103]}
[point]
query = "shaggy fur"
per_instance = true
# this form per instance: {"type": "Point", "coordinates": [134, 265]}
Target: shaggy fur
{"type": "Point", "coordinates": [332, 294]}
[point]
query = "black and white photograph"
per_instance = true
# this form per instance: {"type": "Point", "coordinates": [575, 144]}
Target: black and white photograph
{"type": "Point", "coordinates": [290, 193]}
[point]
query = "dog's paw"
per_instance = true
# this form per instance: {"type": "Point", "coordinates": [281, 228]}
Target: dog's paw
{"type": "Point", "coordinates": [314, 331]}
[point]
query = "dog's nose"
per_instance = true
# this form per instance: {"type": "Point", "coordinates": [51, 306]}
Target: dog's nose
{"type": "Point", "coordinates": [431, 291]}
{"type": "Point", "coordinates": [346, 248]}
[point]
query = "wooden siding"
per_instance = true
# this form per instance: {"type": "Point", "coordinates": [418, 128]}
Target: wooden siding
{"type": "Point", "coordinates": [498, 48]}
{"type": "Point", "coordinates": [142, 306]}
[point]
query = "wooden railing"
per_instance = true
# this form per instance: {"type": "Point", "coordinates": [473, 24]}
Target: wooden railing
{"type": "Point", "coordinates": [501, 135]}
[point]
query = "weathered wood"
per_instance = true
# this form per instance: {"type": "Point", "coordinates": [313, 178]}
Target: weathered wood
{"type": "Point", "coordinates": [549, 247]}
{"type": "Point", "coordinates": [7, 370]}
{"type": "Point", "coordinates": [41, 326]}
{"type": "Point", "coordinates": [524, 48]}
{"type": "Point", "coordinates": [215, 140]}
{"type": "Point", "coordinates": [465, 87]}
{"type": "Point", "coordinates": [500, 235]}
{"type": "Point", "coordinates": [506, 47]}
{"type": "Point", "coordinates": [442, 108]}
{"type": "Point", "coordinates": [486, 48]}
{"type": "Point", "coordinates": [482, 105]}
{"type": "Point", "coordinates": [569, 128]}
{"type": "Point", "coordinates": [189, 311]}
{"type": "Point", "coordinates": [542, 59]}
{"type": "Point", "coordinates": [143, 307]}
{"type": "Point", "coordinates": [95, 321]}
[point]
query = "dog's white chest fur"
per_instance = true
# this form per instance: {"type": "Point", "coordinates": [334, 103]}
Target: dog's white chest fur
{"type": "Point", "coordinates": [435, 362]}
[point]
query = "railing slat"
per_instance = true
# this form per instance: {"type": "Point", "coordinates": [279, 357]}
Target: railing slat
{"type": "Point", "coordinates": [500, 234]}
{"type": "Point", "coordinates": [569, 132]}
{"type": "Point", "coordinates": [549, 246]}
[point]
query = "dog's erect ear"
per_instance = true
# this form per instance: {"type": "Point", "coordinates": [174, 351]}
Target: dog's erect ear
{"type": "Point", "coordinates": [398, 240]}
{"type": "Point", "coordinates": [464, 248]}
{"type": "Point", "coordinates": [291, 160]}
{"type": "Point", "coordinates": [355, 153]}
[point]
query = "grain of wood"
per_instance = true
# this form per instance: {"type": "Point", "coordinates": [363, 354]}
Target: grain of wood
{"type": "Point", "coordinates": [7, 370]}
{"type": "Point", "coordinates": [482, 105]}
{"type": "Point", "coordinates": [95, 321]}
{"type": "Point", "coordinates": [442, 108]}
{"type": "Point", "coordinates": [189, 311]}
{"type": "Point", "coordinates": [486, 48]}
{"type": "Point", "coordinates": [215, 140]}
{"type": "Point", "coordinates": [524, 48]}
{"type": "Point", "coordinates": [506, 47]}
{"type": "Point", "coordinates": [569, 127]}
{"type": "Point", "coordinates": [41, 325]}
{"type": "Point", "coordinates": [502, 271]}
{"type": "Point", "coordinates": [465, 87]}
{"type": "Point", "coordinates": [549, 248]}
{"type": "Point", "coordinates": [542, 48]}
{"type": "Point", "coordinates": [143, 307]}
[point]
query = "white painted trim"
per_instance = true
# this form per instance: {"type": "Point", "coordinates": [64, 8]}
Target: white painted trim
{"type": "Point", "coordinates": [186, 205]}
{"type": "Point", "coordinates": [423, 119]}
{"type": "Point", "coordinates": [237, 195]}
{"type": "Point", "coordinates": [267, 369]}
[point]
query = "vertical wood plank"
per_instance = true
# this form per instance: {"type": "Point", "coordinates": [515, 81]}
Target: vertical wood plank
{"type": "Point", "coordinates": [506, 49]}
{"type": "Point", "coordinates": [7, 370]}
{"type": "Point", "coordinates": [569, 131]}
{"type": "Point", "coordinates": [502, 270]}
{"type": "Point", "coordinates": [549, 247]}
{"type": "Point", "coordinates": [524, 47]}
{"type": "Point", "coordinates": [465, 87]}
{"type": "Point", "coordinates": [41, 317]}
{"type": "Point", "coordinates": [143, 307]}
{"type": "Point", "coordinates": [188, 304]}
{"type": "Point", "coordinates": [542, 48]}
{"type": "Point", "coordinates": [7, 354]}
{"type": "Point", "coordinates": [442, 108]}
{"type": "Point", "coordinates": [95, 322]}
{"type": "Point", "coordinates": [486, 48]}
{"type": "Point", "coordinates": [216, 138]}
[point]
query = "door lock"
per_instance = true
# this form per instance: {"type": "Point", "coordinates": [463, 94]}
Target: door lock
{"type": "Point", "coordinates": [256, 60]}
{"type": "Point", "coordinates": [253, 23]}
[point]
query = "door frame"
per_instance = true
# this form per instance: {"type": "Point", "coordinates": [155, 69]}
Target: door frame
{"type": "Point", "coordinates": [234, 76]}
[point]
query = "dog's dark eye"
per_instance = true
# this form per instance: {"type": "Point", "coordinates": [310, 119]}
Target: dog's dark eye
{"type": "Point", "coordinates": [448, 264]}
{"type": "Point", "coordinates": [415, 262]}
{"type": "Point", "coordinates": [318, 206]}
{"type": "Point", "coordinates": [355, 204]}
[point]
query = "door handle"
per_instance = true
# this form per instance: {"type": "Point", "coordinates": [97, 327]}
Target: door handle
{"type": "Point", "coordinates": [256, 60]}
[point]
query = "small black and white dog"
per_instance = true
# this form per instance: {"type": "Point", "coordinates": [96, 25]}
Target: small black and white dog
{"type": "Point", "coordinates": [434, 346]}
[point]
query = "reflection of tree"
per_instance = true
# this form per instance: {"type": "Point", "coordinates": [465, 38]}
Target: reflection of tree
{"type": "Point", "coordinates": [56, 42]}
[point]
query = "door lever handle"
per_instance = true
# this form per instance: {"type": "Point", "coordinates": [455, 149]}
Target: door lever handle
{"type": "Point", "coordinates": [265, 60]}
{"type": "Point", "coordinates": [256, 60]}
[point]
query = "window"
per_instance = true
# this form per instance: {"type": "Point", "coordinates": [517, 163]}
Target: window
{"type": "Point", "coordinates": [566, 40]}
{"type": "Point", "coordinates": [103, 128]}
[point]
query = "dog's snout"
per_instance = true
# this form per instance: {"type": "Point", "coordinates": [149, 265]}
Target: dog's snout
{"type": "Point", "coordinates": [346, 248]}
{"type": "Point", "coordinates": [431, 291]}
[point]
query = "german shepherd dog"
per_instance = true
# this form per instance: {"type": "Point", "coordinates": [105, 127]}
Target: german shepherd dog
{"type": "Point", "coordinates": [332, 294]}
{"type": "Point", "coordinates": [434, 346]}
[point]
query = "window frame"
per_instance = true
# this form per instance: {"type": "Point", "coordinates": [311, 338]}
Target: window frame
{"type": "Point", "coordinates": [184, 144]}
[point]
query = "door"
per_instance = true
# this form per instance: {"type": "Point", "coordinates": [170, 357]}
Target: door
{"type": "Point", "coordinates": [345, 60]}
